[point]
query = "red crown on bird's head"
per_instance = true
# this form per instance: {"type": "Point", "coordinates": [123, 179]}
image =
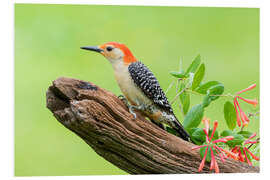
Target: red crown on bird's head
{"type": "Point", "coordinates": [128, 56]}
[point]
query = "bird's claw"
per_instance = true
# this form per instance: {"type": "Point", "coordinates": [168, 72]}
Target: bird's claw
{"type": "Point", "coordinates": [121, 97]}
{"type": "Point", "coordinates": [130, 107]}
{"type": "Point", "coordinates": [124, 100]}
{"type": "Point", "coordinates": [132, 112]}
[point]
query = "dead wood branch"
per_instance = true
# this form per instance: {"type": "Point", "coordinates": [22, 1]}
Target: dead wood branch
{"type": "Point", "coordinates": [137, 146]}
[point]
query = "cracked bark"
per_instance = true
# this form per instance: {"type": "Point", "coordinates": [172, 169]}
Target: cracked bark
{"type": "Point", "coordinates": [136, 146]}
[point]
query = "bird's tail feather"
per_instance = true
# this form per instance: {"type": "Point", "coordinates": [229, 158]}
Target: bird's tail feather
{"type": "Point", "coordinates": [180, 129]}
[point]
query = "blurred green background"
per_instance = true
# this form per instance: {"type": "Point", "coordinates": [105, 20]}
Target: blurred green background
{"type": "Point", "coordinates": [47, 41]}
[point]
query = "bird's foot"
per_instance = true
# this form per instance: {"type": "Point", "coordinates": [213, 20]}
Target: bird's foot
{"type": "Point", "coordinates": [131, 108]}
{"type": "Point", "coordinates": [140, 108]}
{"type": "Point", "coordinates": [124, 100]}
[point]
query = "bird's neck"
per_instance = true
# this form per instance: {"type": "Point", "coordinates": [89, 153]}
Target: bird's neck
{"type": "Point", "coordinates": [119, 65]}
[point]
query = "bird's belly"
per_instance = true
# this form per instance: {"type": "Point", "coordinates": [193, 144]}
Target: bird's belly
{"type": "Point", "coordinates": [131, 91]}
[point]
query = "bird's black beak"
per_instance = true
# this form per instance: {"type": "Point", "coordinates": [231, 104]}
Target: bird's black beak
{"type": "Point", "coordinates": [92, 48]}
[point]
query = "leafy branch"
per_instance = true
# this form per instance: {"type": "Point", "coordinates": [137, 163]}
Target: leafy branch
{"type": "Point", "coordinates": [231, 142]}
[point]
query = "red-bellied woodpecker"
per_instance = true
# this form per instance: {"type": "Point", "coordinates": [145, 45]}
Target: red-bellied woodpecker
{"type": "Point", "coordinates": [139, 86]}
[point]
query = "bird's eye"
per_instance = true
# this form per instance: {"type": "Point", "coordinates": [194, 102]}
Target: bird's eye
{"type": "Point", "coordinates": [109, 48]}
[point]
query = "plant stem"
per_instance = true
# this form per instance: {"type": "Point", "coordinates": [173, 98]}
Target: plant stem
{"type": "Point", "coordinates": [178, 94]}
{"type": "Point", "coordinates": [222, 95]}
{"type": "Point", "coordinates": [258, 140]}
{"type": "Point", "coordinates": [170, 86]}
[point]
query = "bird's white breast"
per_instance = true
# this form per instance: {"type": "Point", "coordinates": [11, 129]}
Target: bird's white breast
{"type": "Point", "coordinates": [127, 86]}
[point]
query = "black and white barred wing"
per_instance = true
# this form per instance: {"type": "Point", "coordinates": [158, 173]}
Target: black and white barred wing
{"type": "Point", "coordinates": [148, 83]}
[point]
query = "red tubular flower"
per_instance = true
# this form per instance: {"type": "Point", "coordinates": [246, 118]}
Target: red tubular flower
{"type": "Point", "coordinates": [229, 153]}
{"type": "Point", "coordinates": [216, 167]}
{"type": "Point", "coordinates": [247, 89]}
{"type": "Point", "coordinates": [206, 122]}
{"type": "Point", "coordinates": [198, 147]}
{"type": "Point", "coordinates": [248, 161]}
{"type": "Point", "coordinates": [221, 154]}
{"type": "Point", "coordinates": [241, 158]}
{"type": "Point", "coordinates": [248, 141]}
{"type": "Point", "coordinates": [246, 150]}
{"type": "Point", "coordinates": [240, 115]}
{"type": "Point", "coordinates": [214, 129]}
{"type": "Point", "coordinates": [225, 139]}
{"type": "Point", "coordinates": [251, 154]}
{"type": "Point", "coordinates": [212, 144]}
{"type": "Point", "coordinates": [252, 136]}
{"type": "Point", "coordinates": [235, 150]}
{"type": "Point", "coordinates": [213, 162]}
{"type": "Point", "coordinates": [212, 165]}
{"type": "Point", "coordinates": [245, 119]}
{"type": "Point", "coordinates": [237, 113]}
{"type": "Point", "coordinates": [206, 133]}
{"type": "Point", "coordinates": [254, 102]}
{"type": "Point", "coordinates": [242, 152]}
{"type": "Point", "coordinates": [203, 160]}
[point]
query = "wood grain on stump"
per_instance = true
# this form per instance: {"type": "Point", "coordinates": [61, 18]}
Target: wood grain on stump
{"type": "Point", "coordinates": [136, 146]}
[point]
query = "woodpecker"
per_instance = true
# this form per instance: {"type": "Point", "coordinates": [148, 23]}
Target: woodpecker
{"type": "Point", "coordinates": [139, 86]}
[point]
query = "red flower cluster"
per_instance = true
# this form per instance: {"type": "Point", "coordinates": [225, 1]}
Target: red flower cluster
{"type": "Point", "coordinates": [239, 112]}
{"type": "Point", "coordinates": [212, 145]}
{"type": "Point", "coordinates": [243, 156]}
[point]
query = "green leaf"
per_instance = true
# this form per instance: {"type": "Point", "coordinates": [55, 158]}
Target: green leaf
{"type": "Point", "coordinates": [198, 77]}
{"type": "Point", "coordinates": [195, 141]}
{"type": "Point", "coordinates": [227, 133]}
{"type": "Point", "coordinates": [202, 89]}
{"type": "Point", "coordinates": [199, 135]}
{"type": "Point", "coordinates": [206, 101]}
{"type": "Point", "coordinates": [245, 134]}
{"type": "Point", "coordinates": [216, 136]}
{"type": "Point", "coordinates": [194, 65]}
{"type": "Point", "coordinates": [214, 91]}
{"type": "Point", "coordinates": [230, 115]}
{"type": "Point", "coordinates": [185, 99]}
{"type": "Point", "coordinates": [180, 74]}
{"type": "Point", "coordinates": [237, 140]}
{"type": "Point", "coordinates": [192, 130]}
{"type": "Point", "coordinates": [208, 156]}
{"type": "Point", "coordinates": [193, 117]}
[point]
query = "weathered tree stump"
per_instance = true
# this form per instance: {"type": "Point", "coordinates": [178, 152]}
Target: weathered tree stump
{"type": "Point", "coordinates": [136, 146]}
